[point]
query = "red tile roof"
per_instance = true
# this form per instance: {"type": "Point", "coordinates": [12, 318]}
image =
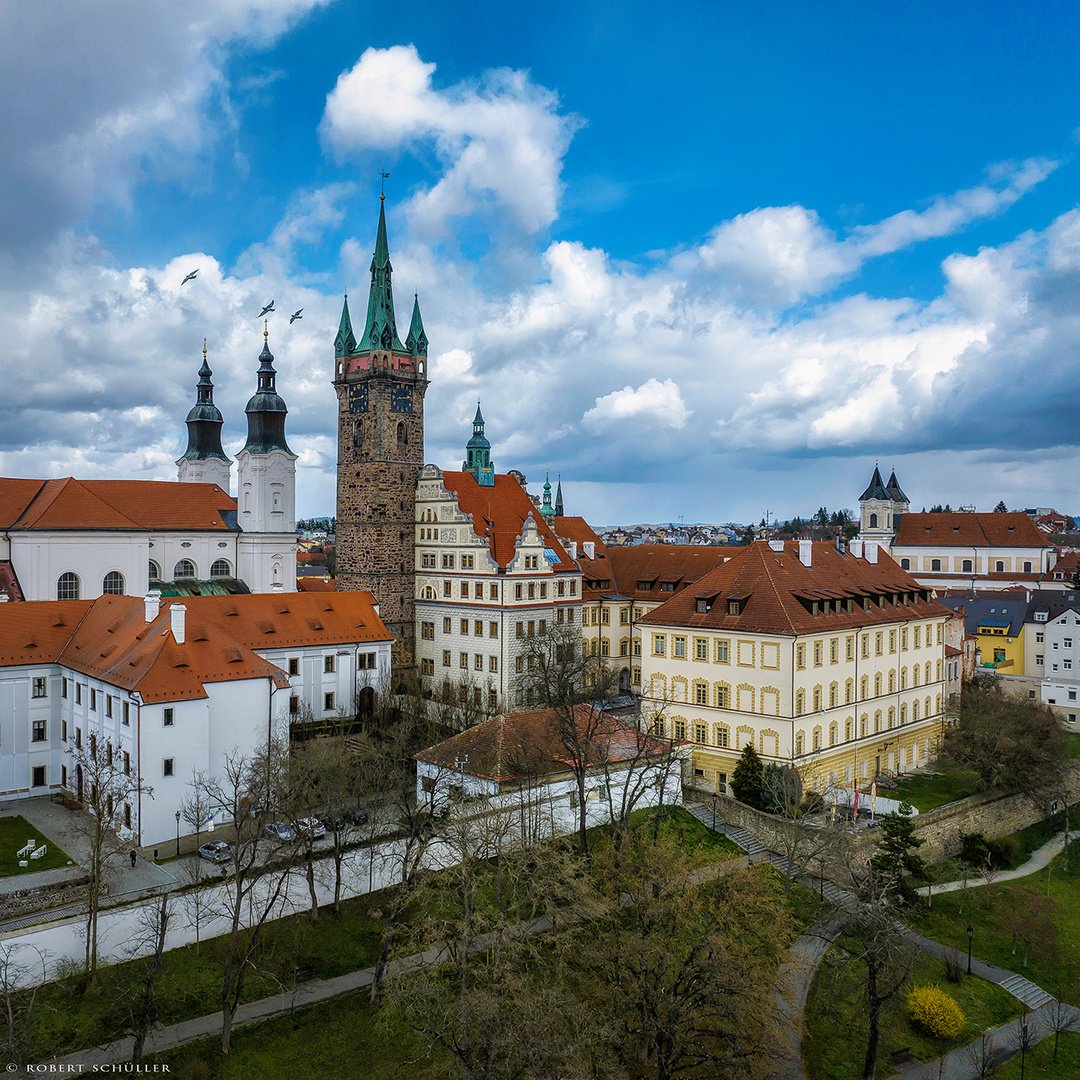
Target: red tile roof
{"type": "Point", "coordinates": [968, 530]}
{"type": "Point", "coordinates": [499, 514]}
{"type": "Point", "coordinates": [776, 593]}
{"type": "Point", "coordinates": [314, 584]}
{"type": "Point", "coordinates": [144, 505]}
{"type": "Point", "coordinates": [526, 744]}
{"type": "Point", "coordinates": [109, 638]}
{"type": "Point", "coordinates": [9, 582]}
{"type": "Point", "coordinates": [678, 565]}
{"type": "Point", "coordinates": [579, 531]}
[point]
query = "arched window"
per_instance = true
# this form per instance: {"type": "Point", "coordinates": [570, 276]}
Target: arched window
{"type": "Point", "coordinates": [905, 564]}
{"type": "Point", "coordinates": [935, 565]}
{"type": "Point", "coordinates": [402, 435]}
{"type": "Point", "coordinates": [155, 571]}
{"type": "Point", "coordinates": [873, 521]}
{"type": "Point", "coordinates": [967, 566]}
{"type": "Point", "coordinates": [113, 583]}
{"type": "Point", "coordinates": [67, 588]}
{"type": "Point", "coordinates": [221, 568]}
{"type": "Point", "coordinates": [184, 568]}
{"type": "Point", "coordinates": [800, 702]}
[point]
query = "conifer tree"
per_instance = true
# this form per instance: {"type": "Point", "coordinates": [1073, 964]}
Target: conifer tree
{"type": "Point", "coordinates": [746, 779]}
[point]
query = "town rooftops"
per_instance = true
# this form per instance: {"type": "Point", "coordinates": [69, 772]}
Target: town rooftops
{"type": "Point", "coordinates": [114, 505]}
{"type": "Point", "coordinates": [110, 639]}
{"type": "Point", "coordinates": [522, 745]}
{"type": "Point", "coordinates": [499, 513]}
{"type": "Point", "coordinates": [968, 530]}
{"type": "Point", "coordinates": [596, 568]}
{"type": "Point", "coordinates": [766, 588]}
{"type": "Point", "coordinates": [1005, 611]}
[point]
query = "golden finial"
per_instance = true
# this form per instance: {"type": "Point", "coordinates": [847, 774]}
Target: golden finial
{"type": "Point", "coordinates": [266, 330]}
{"type": "Point", "coordinates": [204, 350]}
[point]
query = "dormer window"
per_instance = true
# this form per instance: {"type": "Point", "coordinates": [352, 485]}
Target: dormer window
{"type": "Point", "coordinates": [733, 607]}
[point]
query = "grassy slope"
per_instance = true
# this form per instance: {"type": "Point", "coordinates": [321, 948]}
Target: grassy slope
{"type": "Point", "coordinates": [836, 1009]}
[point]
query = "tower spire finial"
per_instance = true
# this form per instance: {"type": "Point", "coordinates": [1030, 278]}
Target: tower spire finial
{"type": "Point", "coordinates": [204, 350]}
{"type": "Point", "coordinates": [266, 329]}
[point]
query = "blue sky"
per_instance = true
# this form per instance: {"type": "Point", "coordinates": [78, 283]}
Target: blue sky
{"type": "Point", "coordinates": [700, 259]}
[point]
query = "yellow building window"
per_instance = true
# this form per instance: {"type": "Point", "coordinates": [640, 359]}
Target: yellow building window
{"type": "Point", "coordinates": [723, 652]}
{"type": "Point", "coordinates": [659, 644]}
{"type": "Point", "coordinates": [701, 648]}
{"type": "Point", "coordinates": [800, 657]}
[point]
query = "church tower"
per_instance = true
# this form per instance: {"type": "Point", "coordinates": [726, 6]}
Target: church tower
{"type": "Point", "coordinates": [478, 454]}
{"type": "Point", "coordinates": [266, 489]}
{"type": "Point", "coordinates": [204, 461]}
{"type": "Point", "coordinates": [881, 506]}
{"type": "Point", "coordinates": [380, 385]}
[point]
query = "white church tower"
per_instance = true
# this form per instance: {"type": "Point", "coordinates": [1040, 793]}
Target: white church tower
{"type": "Point", "coordinates": [204, 461]}
{"type": "Point", "coordinates": [881, 507]}
{"type": "Point", "coordinates": [266, 490]}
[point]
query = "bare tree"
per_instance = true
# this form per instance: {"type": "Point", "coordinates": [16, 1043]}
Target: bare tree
{"type": "Point", "coordinates": [22, 972]}
{"type": "Point", "coordinates": [248, 790]}
{"type": "Point", "coordinates": [1060, 1016]}
{"type": "Point", "coordinates": [559, 677]}
{"type": "Point", "coordinates": [982, 1055]}
{"type": "Point", "coordinates": [151, 931]}
{"type": "Point", "coordinates": [1024, 1038]}
{"type": "Point", "coordinates": [109, 787]}
{"type": "Point", "coordinates": [195, 809]}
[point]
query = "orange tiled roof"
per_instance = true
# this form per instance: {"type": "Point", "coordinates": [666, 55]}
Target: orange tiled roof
{"type": "Point", "coordinates": [968, 530]}
{"type": "Point", "coordinates": [678, 565]}
{"type": "Point", "coordinates": [499, 514]}
{"type": "Point", "coordinates": [109, 638]}
{"type": "Point", "coordinates": [146, 505]}
{"type": "Point", "coordinates": [9, 581]}
{"type": "Point", "coordinates": [527, 744]}
{"type": "Point", "coordinates": [776, 593]}
{"type": "Point", "coordinates": [314, 584]}
{"type": "Point", "coordinates": [579, 531]}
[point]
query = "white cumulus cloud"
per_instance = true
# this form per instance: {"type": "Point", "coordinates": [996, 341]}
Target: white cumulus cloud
{"type": "Point", "coordinates": [653, 400]}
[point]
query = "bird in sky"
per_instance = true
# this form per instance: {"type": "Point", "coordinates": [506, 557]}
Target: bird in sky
{"type": "Point", "coordinates": [295, 315]}
{"type": "Point", "coordinates": [191, 277]}
{"type": "Point", "coordinates": [269, 307]}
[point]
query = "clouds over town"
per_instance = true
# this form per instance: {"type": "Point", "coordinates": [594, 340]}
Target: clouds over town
{"type": "Point", "coordinates": [752, 347]}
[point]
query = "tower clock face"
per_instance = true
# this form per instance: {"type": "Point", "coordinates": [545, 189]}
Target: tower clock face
{"type": "Point", "coordinates": [401, 398]}
{"type": "Point", "coordinates": [358, 398]}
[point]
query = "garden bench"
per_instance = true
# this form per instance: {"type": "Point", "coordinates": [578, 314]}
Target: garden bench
{"type": "Point", "coordinates": [25, 849]}
{"type": "Point", "coordinates": [40, 852]}
{"type": "Point", "coordinates": [902, 1055]}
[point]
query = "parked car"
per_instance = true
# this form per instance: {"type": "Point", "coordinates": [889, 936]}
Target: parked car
{"type": "Point", "coordinates": [280, 830]}
{"type": "Point", "coordinates": [311, 827]}
{"type": "Point", "coordinates": [359, 816]}
{"type": "Point", "coordinates": [216, 851]}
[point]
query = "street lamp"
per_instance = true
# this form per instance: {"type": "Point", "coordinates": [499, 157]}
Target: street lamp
{"type": "Point", "coordinates": [178, 832]}
{"type": "Point", "coordinates": [970, 932]}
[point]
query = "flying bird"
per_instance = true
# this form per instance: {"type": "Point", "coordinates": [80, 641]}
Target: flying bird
{"type": "Point", "coordinates": [269, 307]}
{"type": "Point", "coordinates": [295, 315]}
{"type": "Point", "coordinates": [191, 277]}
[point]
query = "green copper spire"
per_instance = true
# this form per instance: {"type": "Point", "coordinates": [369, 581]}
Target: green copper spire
{"type": "Point", "coordinates": [416, 342]}
{"type": "Point", "coordinates": [380, 331]}
{"type": "Point", "coordinates": [547, 509]}
{"type": "Point", "coordinates": [558, 500]}
{"type": "Point", "coordinates": [478, 454]}
{"type": "Point", "coordinates": [345, 342]}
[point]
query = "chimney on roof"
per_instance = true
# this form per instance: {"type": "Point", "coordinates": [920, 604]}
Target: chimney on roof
{"type": "Point", "coordinates": [178, 613]}
{"type": "Point", "coordinates": [153, 605]}
{"type": "Point", "coordinates": [855, 547]}
{"type": "Point", "coordinates": [776, 545]}
{"type": "Point", "coordinates": [573, 550]}
{"type": "Point", "coordinates": [871, 550]}
{"type": "Point", "coordinates": [589, 548]}
{"type": "Point", "coordinates": [806, 552]}
{"type": "Point", "coordinates": [3, 597]}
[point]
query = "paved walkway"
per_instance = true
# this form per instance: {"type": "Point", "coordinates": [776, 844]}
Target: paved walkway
{"type": "Point", "coordinates": [1038, 861]}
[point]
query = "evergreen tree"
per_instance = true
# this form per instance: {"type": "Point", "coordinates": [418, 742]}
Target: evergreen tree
{"type": "Point", "coordinates": [1001, 508]}
{"type": "Point", "coordinates": [896, 860]}
{"type": "Point", "coordinates": [746, 779]}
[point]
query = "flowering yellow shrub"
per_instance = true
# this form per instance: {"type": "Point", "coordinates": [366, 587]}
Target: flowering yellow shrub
{"type": "Point", "coordinates": [931, 1009]}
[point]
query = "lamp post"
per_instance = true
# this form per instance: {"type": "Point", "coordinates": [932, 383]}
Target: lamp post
{"type": "Point", "coordinates": [177, 832]}
{"type": "Point", "coordinates": [970, 932]}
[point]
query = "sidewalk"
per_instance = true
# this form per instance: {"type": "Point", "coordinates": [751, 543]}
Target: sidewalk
{"type": "Point", "coordinates": [1038, 861]}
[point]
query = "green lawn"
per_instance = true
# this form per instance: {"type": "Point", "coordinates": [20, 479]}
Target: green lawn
{"type": "Point", "coordinates": [704, 846]}
{"type": "Point", "coordinates": [928, 791]}
{"type": "Point", "coordinates": [1040, 1063]}
{"type": "Point", "coordinates": [14, 833]}
{"type": "Point", "coordinates": [994, 912]}
{"type": "Point", "coordinates": [835, 1046]}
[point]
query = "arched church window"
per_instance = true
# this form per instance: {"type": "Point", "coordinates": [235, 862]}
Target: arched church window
{"type": "Point", "coordinates": [358, 432]}
{"type": "Point", "coordinates": [155, 571]}
{"type": "Point", "coordinates": [402, 435]}
{"type": "Point", "coordinates": [873, 521]}
{"type": "Point", "coordinates": [184, 568]}
{"type": "Point", "coordinates": [67, 588]}
{"type": "Point", "coordinates": [221, 568]}
{"type": "Point", "coordinates": [113, 583]}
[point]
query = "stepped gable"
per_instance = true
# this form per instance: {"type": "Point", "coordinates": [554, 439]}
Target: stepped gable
{"type": "Point", "coordinates": [127, 505]}
{"type": "Point", "coordinates": [644, 570]}
{"type": "Point", "coordinates": [968, 530]}
{"type": "Point", "coordinates": [499, 513]}
{"type": "Point", "coordinates": [528, 744]}
{"type": "Point", "coordinates": [777, 594]}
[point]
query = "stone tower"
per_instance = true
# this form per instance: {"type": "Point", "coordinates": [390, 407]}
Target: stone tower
{"type": "Point", "coordinates": [380, 385]}
{"type": "Point", "coordinates": [204, 461]}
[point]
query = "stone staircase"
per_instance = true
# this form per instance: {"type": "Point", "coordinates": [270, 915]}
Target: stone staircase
{"type": "Point", "coordinates": [750, 844]}
{"type": "Point", "coordinates": [1031, 995]}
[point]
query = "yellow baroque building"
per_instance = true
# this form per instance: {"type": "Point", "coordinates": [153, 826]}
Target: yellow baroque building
{"type": "Point", "coordinates": [822, 658]}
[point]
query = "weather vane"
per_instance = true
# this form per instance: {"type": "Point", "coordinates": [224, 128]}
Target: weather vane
{"type": "Point", "coordinates": [382, 184]}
